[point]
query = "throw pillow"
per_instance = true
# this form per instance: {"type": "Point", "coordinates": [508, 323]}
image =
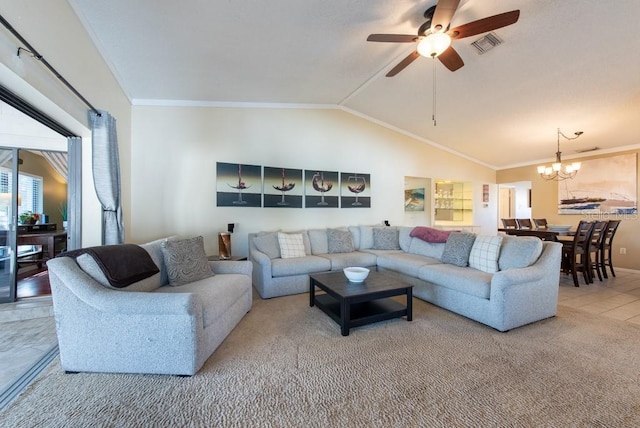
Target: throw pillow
{"type": "Point", "coordinates": [485, 252]}
{"type": "Point", "coordinates": [429, 234]}
{"type": "Point", "coordinates": [291, 245]}
{"type": "Point", "coordinates": [339, 241]}
{"type": "Point", "coordinates": [457, 249]}
{"type": "Point", "coordinates": [185, 260]}
{"type": "Point", "coordinates": [268, 244]}
{"type": "Point", "coordinates": [385, 238]}
{"type": "Point", "coordinates": [519, 251]}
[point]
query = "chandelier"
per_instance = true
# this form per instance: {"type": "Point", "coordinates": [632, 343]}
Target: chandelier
{"type": "Point", "coordinates": [557, 171]}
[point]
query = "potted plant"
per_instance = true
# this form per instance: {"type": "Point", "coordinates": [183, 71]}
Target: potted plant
{"type": "Point", "coordinates": [28, 217]}
{"type": "Point", "coordinates": [63, 213]}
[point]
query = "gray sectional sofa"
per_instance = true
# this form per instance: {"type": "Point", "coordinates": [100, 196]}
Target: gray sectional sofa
{"type": "Point", "coordinates": [148, 326]}
{"type": "Point", "coordinates": [504, 282]}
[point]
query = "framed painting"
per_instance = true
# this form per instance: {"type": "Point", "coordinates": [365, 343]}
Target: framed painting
{"type": "Point", "coordinates": [282, 187]}
{"type": "Point", "coordinates": [238, 185]}
{"type": "Point", "coordinates": [321, 189]}
{"type": "Point", "coordinates": [602, 186]}
{"type": "Point", "coordinates": [414, 199]}
{"type": "Point", "coordinates": [355, 190]}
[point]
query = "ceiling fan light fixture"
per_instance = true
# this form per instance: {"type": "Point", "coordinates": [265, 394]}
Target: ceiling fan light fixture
{"type": "Point", "coordinates": [434, 44]}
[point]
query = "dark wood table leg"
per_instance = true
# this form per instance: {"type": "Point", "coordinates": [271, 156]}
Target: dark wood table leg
{"type": "Point", "coordinates": [345, 316]}
{"type": "Point", "coordinates": [312, 292]}
{"type": "Point", "coordinates": [409, 304]}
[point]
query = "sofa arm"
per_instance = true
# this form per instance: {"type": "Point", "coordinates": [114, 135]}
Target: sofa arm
{"type": "Point", "coordinates": [517, 276]}
{"type": "Point", "coordinates": [65, 272]}
{"type": "Point", "coordinates": [229, 266]}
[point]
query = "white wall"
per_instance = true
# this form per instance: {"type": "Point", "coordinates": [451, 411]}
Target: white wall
{"type": "Point", "coordinates": [175, 150]}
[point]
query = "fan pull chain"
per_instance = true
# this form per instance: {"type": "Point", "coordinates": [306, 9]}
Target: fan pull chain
{"type": "Point", "coordinates": [433, 107]}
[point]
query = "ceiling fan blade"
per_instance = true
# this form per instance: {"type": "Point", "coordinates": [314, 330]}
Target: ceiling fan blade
{"type": "Point", "coordinates": [486, 24]}
{"type": "Point", "coordinates": [403, 64]}
{"type": "Point", "coordinates": [443, 14]}
{"type": "Point", "coordinates": [451, 59]}
{"type": "Point", "coordinates": [392, 38]}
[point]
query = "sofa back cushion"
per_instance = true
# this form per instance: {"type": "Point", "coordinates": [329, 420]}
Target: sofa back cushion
{"type": "Point", "coordinates": [319, 241]}
{"type": "Point", "coordinates": [485, 252]}
{"type": "Point", "coordinates": [366, 237]}
{"type": "Point", "coordinates": [458, 248]}
{"type": "Point", "coordinates": [404, 238]}
{"type": "Point", "coordinates": [519, 251]}
{"type": "Point", "coordinates": [268, 244]}
{"type": "Point", "coordinates": [428, 249]}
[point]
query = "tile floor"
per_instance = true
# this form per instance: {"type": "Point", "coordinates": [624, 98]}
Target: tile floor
{"type": "Point", "coordinates": [27, 329]}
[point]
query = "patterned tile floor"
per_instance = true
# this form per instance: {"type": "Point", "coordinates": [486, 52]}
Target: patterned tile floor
{"type": "Point", "coordinates": [27, 329]}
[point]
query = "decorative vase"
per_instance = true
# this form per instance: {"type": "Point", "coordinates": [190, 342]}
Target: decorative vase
{"type": "Point", "coordinates": [224, 245]}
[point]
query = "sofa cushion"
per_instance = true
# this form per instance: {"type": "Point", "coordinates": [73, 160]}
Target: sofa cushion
{"type": "Point", "coordinates": [457, 249]}
{"type": "Point", "coordinates": [429, 234]}
{"type": "Point", "coordinates": [356, 258]}
{"type": "Point", "coordinates": [385, 238]}
{"type": "Point", "coordinates": [319, 241]}
{"type": "Point", "coordinates": [366, 237]}
{"type": "Point", "coordinates": [154, 248]}
{"type": "Point", "coordinates": [217, 294]}
{"type": "Point", "coordinates": [484, 253]}
{"type": "Point", "coordinates": [339, 241]}
{"type": "Point", "coordinates": [268, 244]}
{"type": "Point", "coordinates": [291, 245]}
{"type": "Point", "coordinates": [88, 264]}
{"type": "Point", "coordinates": [186, 260]}
{"type": "Point", "coordinates": [405, 263]}
{"type": "Point", "coordinates": [519, 251]}
{"type": "Point", "coordinates": [427, 249]}
{"type": "Point", "coordinates": [404, 238]}
{"type": "Point", "coordinates": [299, 266]}
{"type": "Point", "coordinates": [465, 280]}
{"type": "Point", "coordinates": [355, 236]}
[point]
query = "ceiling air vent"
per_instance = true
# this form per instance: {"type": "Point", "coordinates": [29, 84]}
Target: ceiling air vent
{"type": "Point", "coordinates": [486, 43]}
{"type": "Point", "coordinates": [590, 149]}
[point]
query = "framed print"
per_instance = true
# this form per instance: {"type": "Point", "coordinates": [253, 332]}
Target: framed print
{"type": "Point", "coordinates": [321, 189]}
{"type": "Point", "coordinates": [355, 190]}
{"type": "Point", "coordinates": [282, 187]}
{"type": "Point", "coordinates": [238, 185]}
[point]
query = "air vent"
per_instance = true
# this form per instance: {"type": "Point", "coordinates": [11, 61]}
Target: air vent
{"type": "Point", "coordinates": [486, 43]}
{"type": "Point", "coordinates": [590, 149]}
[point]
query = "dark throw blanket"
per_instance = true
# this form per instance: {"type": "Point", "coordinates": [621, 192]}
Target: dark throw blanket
{"type": "Point", "coordinates": [121, 264]}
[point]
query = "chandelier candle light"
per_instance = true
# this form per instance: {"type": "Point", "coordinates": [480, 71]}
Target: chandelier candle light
{"type": "Point", "coordinates": [557, 171]}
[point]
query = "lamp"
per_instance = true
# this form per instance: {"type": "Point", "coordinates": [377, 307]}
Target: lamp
{"type": "Point", "coordinates": [434, 44]}
{"type": "Point", "coordinates": [557, 171]}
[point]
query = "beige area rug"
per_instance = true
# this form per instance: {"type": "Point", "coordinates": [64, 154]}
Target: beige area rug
{"type": "Point", "coordinates": [286, 365]}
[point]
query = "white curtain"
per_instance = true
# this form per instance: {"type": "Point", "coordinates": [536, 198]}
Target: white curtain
{"type": "Point", "coordinates": [106, 175]}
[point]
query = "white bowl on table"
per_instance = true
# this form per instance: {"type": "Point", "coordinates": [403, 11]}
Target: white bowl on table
{"type": "Point", "coordinates": [356, 274]}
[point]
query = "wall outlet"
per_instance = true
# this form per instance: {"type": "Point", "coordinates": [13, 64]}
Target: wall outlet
{"type": "Point", "coordinates": [623, 250]}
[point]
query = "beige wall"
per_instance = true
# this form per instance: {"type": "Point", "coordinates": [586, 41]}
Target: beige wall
{"type": "Point", "coordinates": [175, 150]}
{"type": "Point", "coordinates": [53, 28]}
{"type": "Point", "coordinates": [544, 204]}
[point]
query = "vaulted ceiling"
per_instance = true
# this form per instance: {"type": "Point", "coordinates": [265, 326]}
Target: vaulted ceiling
{"type": "Point", "coordinates": [571, 64]}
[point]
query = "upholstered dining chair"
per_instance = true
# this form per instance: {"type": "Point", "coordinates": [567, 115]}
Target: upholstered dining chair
{"type": "Point", "coordinates": [597, 236]}
{"type": "Point", "coordinates": [575, 253]}
{"type": "Point", "coordinates": [541, 223]}
{"type": "Point", "coordinates": [524, 223]}
{"type": "Point", "coordinates": [509, 223]}
{"type": "Point", "coordinates": [606, 248]}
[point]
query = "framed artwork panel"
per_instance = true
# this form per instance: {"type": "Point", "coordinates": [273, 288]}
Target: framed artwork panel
{"type": "Point", "coordinates": [238, 185]}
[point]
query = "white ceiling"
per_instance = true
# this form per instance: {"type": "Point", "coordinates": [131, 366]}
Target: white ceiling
{"type": "Point", "coordinates": [572, 64]}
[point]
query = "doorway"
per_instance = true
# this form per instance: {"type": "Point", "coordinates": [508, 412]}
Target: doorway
{"type": "Point", "coordinates": [514, 200]}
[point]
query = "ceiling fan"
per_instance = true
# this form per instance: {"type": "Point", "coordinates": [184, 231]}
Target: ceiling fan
{"type": "Point", "coordinates": [434, 36]}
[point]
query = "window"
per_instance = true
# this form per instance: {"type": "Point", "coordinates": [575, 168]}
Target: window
{"type": "Point", "coordinates": [29, 190]}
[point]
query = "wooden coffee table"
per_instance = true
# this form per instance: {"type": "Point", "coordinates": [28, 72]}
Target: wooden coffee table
{"type": "Point", "coordinates": [357, 304]}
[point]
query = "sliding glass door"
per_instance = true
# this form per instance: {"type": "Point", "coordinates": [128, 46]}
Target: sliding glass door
{"type": "Point", "coordinates": [8, 221]}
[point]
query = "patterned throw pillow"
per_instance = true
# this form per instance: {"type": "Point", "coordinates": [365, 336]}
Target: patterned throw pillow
{"type": "Point", "coordinates": [385, 238]}
{"type": "Point", "coordinates": [457, 249]}
{"type": "Point", "coordinates": [291, 245]}
{"type": "Point", "coordinates": [185, 260]}
{"type": "Point", "coordinates": [339, 241]}
{"type": "Point", "coordinates": [485, 252]}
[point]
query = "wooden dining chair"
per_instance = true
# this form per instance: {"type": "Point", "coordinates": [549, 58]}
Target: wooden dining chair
{"type": "Point", "coordinates": [597, 236]}
{"type": "Point", "coordinates": [606, 248]}
{"type": "Point", "coordinates": [541, 223]}
{"type": "Point", "coordinates": [524, 223]}
{"type": "Point", "coordinates": [509, 223]}
{"type": "Point", "coordinates": [575, 253]}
